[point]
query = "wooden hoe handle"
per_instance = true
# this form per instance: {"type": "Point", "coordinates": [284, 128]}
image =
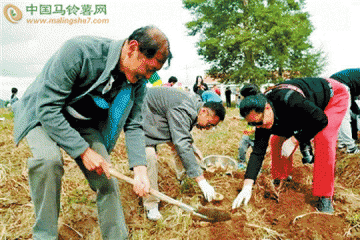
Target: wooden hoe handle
{"type": "Point", "coordinates": [157, 194]}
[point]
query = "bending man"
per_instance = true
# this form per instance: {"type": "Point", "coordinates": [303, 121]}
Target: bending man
{"type": "Point", "coordinates": [169, 115]}
{"type": "Point", "coordinates": [88, 91]}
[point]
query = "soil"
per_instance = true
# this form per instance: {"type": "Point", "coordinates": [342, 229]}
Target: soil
{"type": "Point", "coordinates": [286, 212]}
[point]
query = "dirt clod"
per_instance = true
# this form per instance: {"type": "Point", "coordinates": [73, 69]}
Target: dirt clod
{"type": "Point", "coordinates": [215, 215]}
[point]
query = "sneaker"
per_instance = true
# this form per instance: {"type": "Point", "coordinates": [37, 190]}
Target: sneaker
{"type": "Point", "coordinates": [325, 205]}
{"type": "Point", "coordinates": [354, 150]}
{"type": "Point", "coordinates": [153, 214]}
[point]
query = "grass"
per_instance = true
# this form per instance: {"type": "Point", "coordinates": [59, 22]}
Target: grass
{"type": "Point", "coordinates": [188, 185]}
{"type": "Point", "coordinates": [78, 201]}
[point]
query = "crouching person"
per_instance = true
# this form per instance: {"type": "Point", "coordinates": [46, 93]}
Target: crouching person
{"type": "Point", "coordinates": [168, 116]}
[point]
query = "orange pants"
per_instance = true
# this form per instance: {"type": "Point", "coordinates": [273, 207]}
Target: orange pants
{"type": "Point", "coordinates": [324, 146]}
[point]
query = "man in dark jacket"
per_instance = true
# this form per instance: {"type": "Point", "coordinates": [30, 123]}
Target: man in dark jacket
{"type": "Point", "coordinates": [351, 78]}
{"type": "Point", "coordinates": [308, 108]}
{"type": "Point", "coordinates": [228, 97]}
{"type": "Point", "coordinates": [88, 91]}
{"type": "Point", "coordinates": [169, 116]}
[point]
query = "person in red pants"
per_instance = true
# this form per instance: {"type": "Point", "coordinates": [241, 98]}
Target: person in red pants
{"type": "Point", "coordinates": [306, 108]}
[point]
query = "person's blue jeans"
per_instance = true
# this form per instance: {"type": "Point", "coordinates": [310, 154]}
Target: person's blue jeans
{"type": "Point", "coordinates": [345, 132]}
{"type": "Point", "coordinates": [244, 145]}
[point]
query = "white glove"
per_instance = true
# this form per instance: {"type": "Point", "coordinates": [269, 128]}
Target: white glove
{"type": "Point", "coordinates": [207, 189]}
{"type": "Point", "coordinates": [288, 148]}
{"type": "Point", "coordinates": [244, 195]}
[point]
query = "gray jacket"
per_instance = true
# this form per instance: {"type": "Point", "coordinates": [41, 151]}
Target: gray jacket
{"type": "Point", "coordinates": [169, 115]}
{"type": "Point", "coordinates": [80, 66]}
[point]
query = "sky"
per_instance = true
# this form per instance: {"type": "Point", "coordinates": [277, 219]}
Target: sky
{"type": "Point", "coordinates": [26, 47]}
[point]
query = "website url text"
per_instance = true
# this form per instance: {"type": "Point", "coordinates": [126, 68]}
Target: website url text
{"type": "Point", "coordinates": [69, 21]}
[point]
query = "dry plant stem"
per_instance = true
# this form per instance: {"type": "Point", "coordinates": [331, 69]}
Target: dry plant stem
{"type": "Point", "coordinates": [352, 185]}
{"type": "Point", "coordinates": [74, 230]}
{"type": "Point", "coordinates": [265, 228]}
{"type": "Point", "coordinates": [277, 190]}
{"type": "Point", "coordinates": [300, 216]}
{"type": "Point", "coordinates": [348, 233]}
{"type": "Point", "coordinates": [2, 233]}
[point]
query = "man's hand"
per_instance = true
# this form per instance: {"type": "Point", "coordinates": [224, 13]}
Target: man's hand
{"type": "Point", "coordinates": [95, 162]}
{"type": "Point", "coordinates": [244, 195]}
{"type": "Point", "coordinates": [142, 183]}
{"type": "Point", "coordinates": [289, 146]}
{"type": "Point", "coordinates": [207, 189]}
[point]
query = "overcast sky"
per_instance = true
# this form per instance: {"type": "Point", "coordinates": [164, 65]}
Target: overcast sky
{"type": "Point", "coordinates": [26, 47]}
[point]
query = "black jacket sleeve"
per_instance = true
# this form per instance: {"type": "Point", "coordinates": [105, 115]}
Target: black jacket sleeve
{"type": "Point", "coordinates": [257, 155]}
